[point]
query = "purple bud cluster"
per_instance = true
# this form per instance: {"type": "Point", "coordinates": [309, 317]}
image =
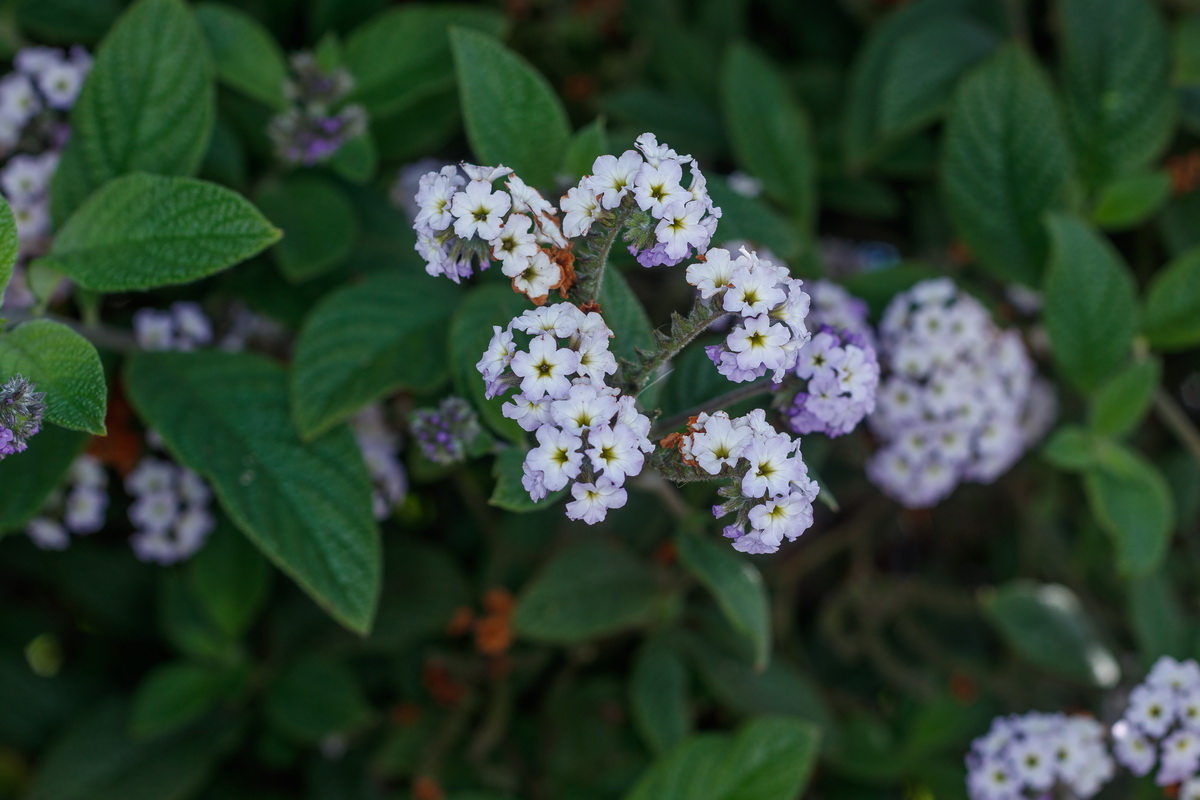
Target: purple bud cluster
{"type": "Point", "coordinates": [462, 224]}
{"type": "Point", "coordinates": [951, 408]}
{"type": "Point", "coordinates": [380, 446]}
{"type": "Point", "coordinates": [170, 511]}
{"type": "Point", "coordinates": [672, 222]}
{"type": "Point", "coordinates": [841, 374]}
{"type": "Point", "coordinates": [1038, 755]}
{"type": "Point", "coordinates": [769, 490]}
{"type": "Point", "coordinates": [1161, 724]}
{"type": "Point", "coordinates": [770, 308]}
{"type": "Point", "coordinates": [586, 431]}
{"type": "Point", "coordinates": [21, 410]}
{"type": "Point", "coordinates": [78, 507]}
{"type": "Point", "coordinates": [445, 433]}
{"type": "Point", "coordinates": [183, 327]}
{"type": "Point", "coordinates": [311, 131]}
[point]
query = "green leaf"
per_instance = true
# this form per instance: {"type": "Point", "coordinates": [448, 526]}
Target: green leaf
{"type": "Point", "coordinates": [625, 315]}
{"type": "Point", "coordinates": [245, 54]}
{"type": "Point", "coordinates": [366, 341]}
{"type": "Point", "coordinates": [315, 697]}
{"type": "Point", "coordinates": [695, 770]}
{"type": "Point", "coordinates": [769, 131]}
{"type": "Point", "coordinates": [357, 159]}
{"type": "Point", "coordinates": [1172, 318]}
{"type": "Point", "coordinates": [1129, 201]}
{"type": "Point", "coordinates": [737, 586]}
{"type": "Point", "coordinates": [174, 695]}
{"type": "Point", "coordinates": [307, 506]}
{"type": "Point", "coordinates": [1159, 624]}
{"type": "Point", "coordinates": [1185, 46]}
{"type": "Point", "coordinates": [658, 695]}
{"type": "Point", "coordinates": [589, 143]}
{"type": "Point", "coordinates": [512, 114]}
{"type": "Point", "coordinates": [1090, 303]}
{"type": "Point", "coordinates": [754, 220]}
{"type": "Point", "coordinates": [1123, 400]}
{"type": "Point", "coordinates": [8, 245]}
{"type": "Point", "coordinates": [64, 366]}
{"type": "Point", "coordinates": [29, 478]}
{"type": "Point", "coordinates": [144, 231]}
{"type": "Point", "coordinates": [1120, 107]}
{"type": "Point", "coordinates": [230, 580]}
{"type": "Point", "coordinates": [1132, 501]}
{"type": "Point", "coordinates": [1047, 626]}
{"type": "Point", "coordinates": [1071, 448]}
{"type": "Point", "coordinates": [590, 590]}
{"type": "Point", "coordinates": [399, 58]}
{"type": "Point", "coordinates": [1005, 163]}
{"type": "Point", "coordinates": [147, 104]}
{"type": "Point", "coordinates": [470, 331]}
{"type": "Point", "coordinates": [509, 494]}
{"type": "Point", "coordinates": [318, 222]}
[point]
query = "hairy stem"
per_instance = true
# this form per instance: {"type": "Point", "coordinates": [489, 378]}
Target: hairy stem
{"type": "Point", "coordinates": [684, 330]}
{"type": "Point", "coordinates": [596, 279]}
{"type": "Point", "coordinates": [1177, 420]}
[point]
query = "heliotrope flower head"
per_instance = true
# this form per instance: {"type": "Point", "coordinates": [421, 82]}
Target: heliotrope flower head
{"type": "Point", "coordinates": [21, 410]}
{"type": "Point", "coordinates": [1161, 724]}
{"type": "Point", "coordinates": [78, 507]}
{"type": "Point", "coordinates": [312, 131]}
{"type": "Point", "coordinates": [182, 327]}
{"type": "Point", "coordinates": [841, 374]}
{"type": "Point", "coordinates": [1034, 755]}
{"type": "Point", "coordinates": [444, 433]}
{"type": "Point", "coordinates": [170, 510]}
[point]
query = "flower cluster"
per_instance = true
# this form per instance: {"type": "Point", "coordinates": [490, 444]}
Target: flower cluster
{"type": "Point", "coordinates": [21, 410]}
{"type": "Point", "coordinates": [1161, 724]}
{"type": "Point", "coordinates": [464, 223]}
{"type": "Point", "coordinates": [77, 508]}
{"type": "Point", "coordinates": [831, 305]}
{"type": "Point", "coordinates": [444, 433]}
{"type": "Point", "coordinates": [380, 444]}
{"type": "Point", "coordinates": [169, 511]}
{"type": "Point", "coordinates": [587, 432]}
{"type": "Point", "coordinates": [1030, 755]}
{"type": "Point", "coordinates": [183, 327]}
{"type": "Point", "coordinates": [842, 374]}
{"type": "Point", "coordinates": [769, 491]}
{"type": "Point", "coordinates": [671, 222]}
{"type": "Point", "coordinates": [951, 408]}
{"type": "Point", "coordinates": [311, 131]}
{"type": "Point", "coordinates": [770, 308]}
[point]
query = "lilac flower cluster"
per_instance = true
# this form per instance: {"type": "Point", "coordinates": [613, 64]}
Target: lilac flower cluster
{"type": "Point", "coordinates": [770, 308]}
{"type": "Point", "coordinates": [587, 432]}
{"type": "Point", "coordinates": [769, 492]}
{"type": "Point", "coordinates": [170, 511]}
{"type": "Point", "coordinates": [445, 433]}
{"type": "Point", "coordinates": [311, 131]}
{"type": "Point", "coordinates": [951, 408]}
{"type": "Point", "coordinates": [842, 374]}
{"type": "Point", "coordinates": [672, 222]}
{"type": "Point", "coordinates": [462, 224]}
{"type": "Point", "coordinates": [380, 444]}
{"type": "Point", "coordinates": [1161, 724]}
{"type": "Point", "coordinates": [183, 327]}
{"type": "Point", "coordinates": [831, 305]}
{"type": "Point", "coordinates": [77, 508]}
{"type": "Point", "coordinates": [21, 410]}
{"type": "Point", "coordinates": [1035, 754]}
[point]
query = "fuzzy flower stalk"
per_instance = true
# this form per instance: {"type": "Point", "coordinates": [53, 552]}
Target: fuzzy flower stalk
{"type": "Point", "coordinates": [21, 410]}
{"type": "Point", "coordinates": [312, 131]}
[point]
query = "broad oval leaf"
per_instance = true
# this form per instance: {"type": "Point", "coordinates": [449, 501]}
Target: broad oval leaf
{"type": "Point", "coordinates": [174, 695]}
{"type": "Point", "coordinates": [1005, 163]}
{"type": "Point", "coordinates": [307, 506]}
{"type": "Point", "coordinates": [318, 222]}
{"type": "Point", "coordinates": [245, 54]}
{"type": "Point", "coordinates": [1130, 200]}
{"type": "Point", "coordinates": [1132, 502]}
{"type": "Point", "coordinates": [737, 586]}
{"type": "Point", "coordinates": [512, 114]}
{"type": "Point", "coordinates": [144, 231]}
{"type": "Point", "coordinates": [315, 697]}
{"type": "Point", "coordinates": [28, 479]}
{"type": "Point", "coordinates": [365, 341]}
{"type": "Point", "coordinates": [64, 366]}
{"type": "Point", "coordinates": [1090, 303]}
{"type": "Point", "coordinates": [147, 104]}
{"type": "Point", "coordinates": [1123, 400]}
{"type": "Point", "coordinates": [1172, 318]}
{"type": "Point", "coordinates": [658, 694]}
{"type": "Point", "coordinates": [229, 579]}
{"type": "Point", "coordinates": [625, 315]}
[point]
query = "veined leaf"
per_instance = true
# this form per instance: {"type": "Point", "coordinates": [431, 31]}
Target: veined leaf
{"type": "Point", "coordinates": [64, 366]}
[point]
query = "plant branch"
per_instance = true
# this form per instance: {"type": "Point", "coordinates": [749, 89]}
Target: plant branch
{"type": "Point", "coordinates": [596, 279]}
{"type": "Point", "coordinates": [1177, 420]}
{"type": "Point", "coordinates": [684, 330]}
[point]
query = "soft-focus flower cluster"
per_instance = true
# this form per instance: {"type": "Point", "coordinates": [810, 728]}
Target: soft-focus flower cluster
{"type": "Point", "coordinates": [769, 308]}
{"type": "Point", "coordinates": [311, 131]}
{"type": "Point", "coordinates": [951, 408]}
{"type": "Point", "coordinates": [170, 511]}
{"type": "Point", "coordinates": [463, 223]}
{"type": "Point", "coordinates": [1161, 724]}
{"type": "Point", "coordinates": [1032, 755]}
{"type": "Point", "coordinates": [380, 446]}
{"type": "Point", "coordinates": [78, 507]}
{"type": "Point", "coordinates": [34, 100]}
{"type": "Point", "coordinates": [183, 327]}
{"type": "Point", "coordinates": [770, 490]}
{"type": "Point", "coordinates": [671, 222]}
{"type": "Point", "coordinates": [21, 410]}
{"type": "Point", "coordinates": [831, 305]}
{"type": "Point", "coordinates": [841, 374]}
{"type": "Point", "coordinates": [586, 431]}
{"type": "Point", "coordinates": [445, 433]}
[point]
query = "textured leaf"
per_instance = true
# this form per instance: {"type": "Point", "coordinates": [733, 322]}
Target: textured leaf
{"type": "Point", "coordinates": [64, 366]}
{"type": "Point", "coordinates": [470, 332]}
{"type": "Point", "coordinates": [769, 131]}
{"type": "Point", "coordinates": [147, 104]}
{"type": "Point", "coordinates": [1132, 501]}
{"type": "Point", "coordinates": [8, 245]}
{"type": "Point", "coordinates": [658, 695]}
{"type": "Point", "coordinates": [1071, 448]}
{"type": "Point", "coordinates": [1047, 626]}
{"type": "Point", "coordinates": [625, 315]}
{"type": "Point", "coordinates": [1131, 200]}
{"type": "Point", "coordinates": [230, 580]}
{"type": "Point", "coordinates": [1090, 303]}
{"type": "Point", "coordinates": [366, 341]}
{"type": "Point", "coordinates": [737, 586]}
{"type": "Point", "coordinates": [245, 54]}
{"type": "Point", "coordinates": [1123, 400]}
{"type": "Point", "coordinates": [509, 494]}
{"type": "Point", "coordinates": [512, 114]}
{"type": "Point", "coordinates": [590, 590]}
{"type": "Point", "coordinates": [1172, 318]}
{"type": "Point", "coordinates": [1159, 624]}
{"type": "Point", "coordinates": [306, 505]}
{"type": "Point", "coordinates": [174, 695]}
{"type": "Point", "coordinates": [29, 478]}
{"type": "Point", "coordinates": [1005, 164]}
{"type": "Point", "coordinates": [695, 770]}
{"type": "Point", "coordinates": [144, 231]}
{"type": "Point", "coordinates": [318, 222]}
{"type": "Point", "coordinates": [1119, 104]}
{"type": "Point", "coordinates": [314, 698]}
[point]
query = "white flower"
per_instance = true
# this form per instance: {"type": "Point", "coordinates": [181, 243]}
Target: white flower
{"type": "Point", "coordinates": [150, 476]}
{"type": "Point", "coordinates": [593, 500]}
{"type": "Point", "coordinates": [1132, 749]}
{"type": "Point", "coordinates": [615, 452]}
{"type": "Point", "coordinates": [48, 534]}
{"type": "Point", "coordinates": [720, 444]}
{"type": "Point", "coordinates": [60, 84]}
{"type": "Point", "coordinates": [539, 277]}
{"type": "Point", "coordinates": [515, 245]}
{"type": "Point", "coordinates": [485, 174]}
{"type": "Point", "coordinates": [192, 324]}
{"type": "Point", "coordinates": [1151, 709]}
{"type": "Point", "coordinates": [498, 354]}
{"type": "Point", "coordinates": [714, 274]}
{"type": "Point", "coordinates": [529, 414]}
{"type": "Point", "coordinates": [680, 228]}
{"type": "Point", "coordinates": [657, 153]}
{"type": "Point", "coordinates": [611, 177]}
{"type": "Point", "coordinates": [434, 197]}
{"type": "Point", "coordinates": [783, 517]}
{"type": "Point", "coordinates": [556, 457]}
{"type": "Point", "coordinates": [655, 188]}
{"type": "Point", "coordinates": [560, 320]}
{"type": "Point", "coordinates": [580, 209]}
{"type": "Point", "coordinates": [25, 178]}
{"type": "Point", "coordinates": [85, 509]}
{"type": "Point", "coordinates": [156, 511]}
{"type": "Point", "coordinates": [759, 343]}
{"type": "Point", "coordinates": [583, 408]}
{"type": "Point", "coordinates": [89, 472]}
{"type": "Point", "coordinates": [478, 211]}
{"type": "Point", "coordinates": [153, 330]}
{"type": "Point", "coordinates": [753, 291]}
{"type": "Point", "coordinates": [771, 468]}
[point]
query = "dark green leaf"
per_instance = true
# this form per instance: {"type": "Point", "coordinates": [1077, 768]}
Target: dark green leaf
{"type": "Point", "coordinates": [737, 586]}
{"type": "Point", "coordinates": [625, 315]}
{"type": "Point", "coordinates": [307, 506]}
{"type": "Point", "coordinates": [658, 695]}
{"type": "Point", "coordinates": [509, 494]}
{"type": "Point", "coordinates": [422, 588]}
{"type": "Point", "coordinates": [1071, 448]}
{"type": "Point", "coordinates": [314, 698]}
{"type": "Point", "coordinates": [62, 365]}
{"type": "Point", "coordinates": [8, 245]}
{"type": "Point", "coordinates": [29, 478]}
{"type": "Point", "coordinates": [753, 220]}
{"type": "Point", "coordinates": [1185, 46]}
{"type": "Point", "coordinates": [1172, 318]}
{"type": "Point", "coordinates": [230, 579]}
{"type": "Point", "coordinates": [245, 54]}
{"type": "Point", "coordinates": [1129, 201]}
{"type": "Point", "coordinates": [174, 695]}
{"type": "Point", "coordinates": [1132, 501]}
{"type": "Point", "coordinates": [695, 770]}
{"type": "Point", "coordinates": [357, 159]}
{"type": "Point", "coordinates": [1158, 621]}
{"type": "Point", "coordinates": [1123, 400]}
{"type": "Point", "coordinates": [589, 143]}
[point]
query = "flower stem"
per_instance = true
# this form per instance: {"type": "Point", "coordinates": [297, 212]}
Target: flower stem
{"type": "Point", "coordinates": [743, 392]}
{"type": "Point", "coordinates": [1177, 420]}
{"type": "Point", "coordinates": [596, 279]}
{"type": "Point", "coordinates": [684, 330]}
